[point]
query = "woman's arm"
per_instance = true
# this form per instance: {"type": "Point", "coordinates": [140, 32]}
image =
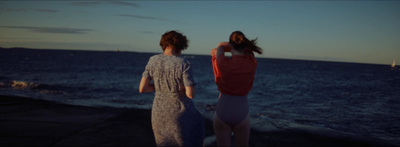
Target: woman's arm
{"type": "Point", "coordinates": [145, 85]}
{"type": "Point", "coordinates": [190, 91]}
{"type": "Point", "coordinates": [223, 47]}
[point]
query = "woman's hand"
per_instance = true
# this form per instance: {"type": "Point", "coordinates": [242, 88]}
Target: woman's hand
{"type": "Point", "coordinates": [214, 52]}
{"type": "Point", "coordinates": [190, 91]}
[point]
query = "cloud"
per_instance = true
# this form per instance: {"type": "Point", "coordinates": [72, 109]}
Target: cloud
{"type": "Point", "coordinates": [26, 10]}
{"type": "Point", "coordinates": [85, 3]}
{"type": "Point", "coordinates": [14, 9]}
{"type": "Point", "coordinates": [139, 16]}
{"type": "Point", "coordinates": [150, 18]}
{"type": "Point", "coordinates": [93, 3]}
{"type": "Point", "coordinates": [126, 4]}
{"type": "Point", "coordinates": [46, 10]}
{"type": "Point", "coordinates": [51, 29]}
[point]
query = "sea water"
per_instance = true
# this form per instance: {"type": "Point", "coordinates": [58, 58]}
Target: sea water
{"type": "Point", "coordinates": [358, 99]}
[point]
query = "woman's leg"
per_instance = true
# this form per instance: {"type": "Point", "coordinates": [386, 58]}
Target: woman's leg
{"type": "Point", "coordinates": [242, 132]}
{"type": "Point", "coordinates": [222, 131]}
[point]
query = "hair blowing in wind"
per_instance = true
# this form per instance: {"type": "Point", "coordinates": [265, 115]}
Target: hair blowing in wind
{"type": "Point", "coordinates": [239, 41]}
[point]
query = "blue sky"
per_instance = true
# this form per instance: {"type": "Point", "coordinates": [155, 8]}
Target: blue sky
{"type": "Point", "coordinates": [346, 31]}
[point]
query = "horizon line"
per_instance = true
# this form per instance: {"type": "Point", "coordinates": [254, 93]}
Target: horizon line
{"type": "Point", "coordinates": [117, 50]}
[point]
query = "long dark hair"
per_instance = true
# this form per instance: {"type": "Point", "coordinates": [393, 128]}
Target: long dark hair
{"type": "Point", "coordinates": [240, 42]}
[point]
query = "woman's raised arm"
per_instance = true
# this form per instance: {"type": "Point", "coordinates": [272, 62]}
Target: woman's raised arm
{"type": "Point", "coordinates": [223, 47]}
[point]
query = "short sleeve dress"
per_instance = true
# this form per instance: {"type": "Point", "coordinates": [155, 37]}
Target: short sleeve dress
{"type": "Point", "coordinates": [175, 120]}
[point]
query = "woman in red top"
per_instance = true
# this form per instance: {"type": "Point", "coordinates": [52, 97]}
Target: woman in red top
{"type": "Point", "coordinates": [234, 77]}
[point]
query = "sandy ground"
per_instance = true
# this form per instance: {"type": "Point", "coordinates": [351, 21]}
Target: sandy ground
{"type": "Point", "coordinates": [30, 122]}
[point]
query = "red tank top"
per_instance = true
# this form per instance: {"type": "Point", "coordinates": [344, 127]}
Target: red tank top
{"type": "Point", "coordinates": [235, 75]}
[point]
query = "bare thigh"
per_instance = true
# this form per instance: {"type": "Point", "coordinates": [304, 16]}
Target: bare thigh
{"type": "Point", "coordinates": [222, 131]}
{"type": "Point", "coordinates": [242, 132]}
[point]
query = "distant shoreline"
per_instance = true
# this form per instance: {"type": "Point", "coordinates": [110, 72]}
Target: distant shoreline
{"type": "Point", "coordinates": [24, 48]}
{"type": "Point", "coordinates": [271, 58]}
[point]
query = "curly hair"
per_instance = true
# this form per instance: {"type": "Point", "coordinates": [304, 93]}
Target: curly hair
{"type": "Point", "coordinates": [174, 39]}
{"type": "Point", "coordinates": [240, 42]}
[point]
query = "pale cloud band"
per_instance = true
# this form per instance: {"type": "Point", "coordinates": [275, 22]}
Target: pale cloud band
{"type": "Point", "coordinates": [126, 4]}
{"type": "Point", "coordinates": [139, 16]}
{"type": "Point", "coordinates": [93, 3]}
{"type": "Point", "coordinates": [27, 10]}
{"type": "Point", "coordinates": [51, 29]}
{"type": "Point", "coordinates": [46, 10]}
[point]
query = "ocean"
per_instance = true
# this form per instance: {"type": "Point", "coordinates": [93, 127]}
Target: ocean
{"type": "Point", "coordinates": [361, 100]}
